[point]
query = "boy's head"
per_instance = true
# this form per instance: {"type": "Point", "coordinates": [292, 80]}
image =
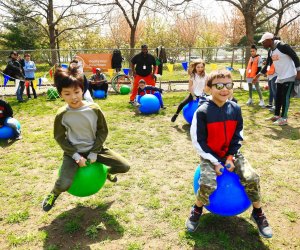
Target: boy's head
{"type": "Point", "coordinates": [64, 78]}
{"type": "Point", "coordinates": [142, 84]}
{"type": "Point", "coordinates": [69, 86]}
{"type": "Point", "coordinates": [221, 86]}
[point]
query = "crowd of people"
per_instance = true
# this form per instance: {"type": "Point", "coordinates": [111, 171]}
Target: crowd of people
{"type": "Point", "coordinates": [216, 129]}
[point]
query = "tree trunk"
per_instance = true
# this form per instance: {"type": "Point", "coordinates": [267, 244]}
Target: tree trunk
{"type": "Point", "coordinates": [51, 29]}
{"type": "Point", "coordinates": [250, 31]}
{"type": "Point", "coordinates": [132, 40]}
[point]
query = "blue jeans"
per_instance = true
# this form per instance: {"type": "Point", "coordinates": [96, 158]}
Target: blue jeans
{"type": "Point", "coordinates": [20, 91]}
{"type": "Point", "coordinates": [272, 90]}
{"type": "Point", "coordinates": [14, 124]}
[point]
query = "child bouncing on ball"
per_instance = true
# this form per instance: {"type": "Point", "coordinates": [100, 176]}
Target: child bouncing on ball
{"type": "Point", "coordinates": [216, 132]}
{"type": "Point", "coordinates": [80, 129]}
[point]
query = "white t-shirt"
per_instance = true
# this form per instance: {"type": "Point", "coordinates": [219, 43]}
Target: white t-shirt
{"type": "Point", "coordinates": [198, 84]}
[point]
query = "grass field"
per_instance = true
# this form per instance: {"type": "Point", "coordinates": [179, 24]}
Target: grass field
{"type": "Point", "coordinates": [148, 206]}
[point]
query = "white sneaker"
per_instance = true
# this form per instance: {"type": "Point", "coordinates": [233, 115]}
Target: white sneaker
{"type": "Point", "coordinates": [281, 122]}
{"type": "Point", "coordinates": [261, 103]}
{"type": "Point", "coordinates": [249, 102]}
{"type": "Point", "coordinates": [272, 118]}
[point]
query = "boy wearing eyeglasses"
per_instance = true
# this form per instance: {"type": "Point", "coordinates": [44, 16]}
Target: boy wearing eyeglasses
{"type": "Point", "coordinates": [216, 132]}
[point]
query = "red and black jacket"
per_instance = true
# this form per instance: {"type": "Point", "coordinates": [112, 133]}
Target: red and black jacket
{"type": "Point", "coordinates": [5, 111]}
{"type": "Point", "coordinates": [216, 131]}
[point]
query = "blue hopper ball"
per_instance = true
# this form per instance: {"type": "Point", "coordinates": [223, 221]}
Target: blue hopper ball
{"type": "Point", "coordinates": [100, 94]}
{"type": "Point", "coordinates": [189, 110]}
{"type": "Point", "coordinates": [229, 198]}
{"type": "Point", "coordinates": [6, 132]}
{"type": "Point", "coordinates": [149, 104]}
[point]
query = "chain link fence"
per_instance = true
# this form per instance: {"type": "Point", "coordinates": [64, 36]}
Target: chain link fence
{"type": "Point", "coordinates": [230, 57]}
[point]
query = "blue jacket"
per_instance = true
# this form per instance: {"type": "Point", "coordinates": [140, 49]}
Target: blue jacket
{"type": "Point", "coordinates": [29, 69]}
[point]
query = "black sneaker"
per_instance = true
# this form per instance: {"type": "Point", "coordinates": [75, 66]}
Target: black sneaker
{"type": "Point", "coordinates": [131, 102]}
{"type": "Point", "coordinates": [193, 221]}
{"type": "Point", "coordinates": [174, 117]}
{"type": "Point", "coordinates": [263, 226]}
{"type": "Point", "coordinates": [18, 137]}
{"type": "Point", "coordinates": [112, 178]}
{"type": "Point", "coordinates": [49, 201]}
{"type": "Point", "coordinates": [269, 106]}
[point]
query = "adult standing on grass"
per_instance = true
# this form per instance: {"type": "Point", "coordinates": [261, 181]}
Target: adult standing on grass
{"type": "Point", "coordinates": [253, 67]}
{"type": "Point", "coordinates": [143, 66]}
{"type": "Point", "coordinates": [287, 68]}
{"type": "Point", "coordinates": [15, 70]}
{"type": "Point", "coordinates": [29, 69]}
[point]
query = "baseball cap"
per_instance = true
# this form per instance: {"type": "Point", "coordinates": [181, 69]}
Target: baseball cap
{"type": "Point", "coordinates": [266, 36]}
{"type": "Point", "coordinates": [98, 69]}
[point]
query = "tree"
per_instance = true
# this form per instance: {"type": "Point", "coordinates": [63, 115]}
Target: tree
{"type": "Point", "coordinates": [50, 14]}
{"type": "Point", "coordinates": [257, 13]}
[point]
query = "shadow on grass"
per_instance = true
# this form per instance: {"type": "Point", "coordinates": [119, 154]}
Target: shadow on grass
{"type": "Point", "coordinates": [284, 132]}
{"type": "Point", "coordinates": [80, 227]}
{"type": "Point", "coordinates": [6, 143]}
{"type": "Point", "coordinates": [185, 128]}
{"type": "Point", "coordinates": [216, 232]}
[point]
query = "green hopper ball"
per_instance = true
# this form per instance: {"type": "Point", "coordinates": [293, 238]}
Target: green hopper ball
{"type": "Point", "coordinates": [124, 90]}
{"type": "Point", "coordinates": [88, 180]}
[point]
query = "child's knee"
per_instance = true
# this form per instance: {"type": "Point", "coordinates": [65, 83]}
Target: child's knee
{"type": "Point", "coordinates": [63, 185]}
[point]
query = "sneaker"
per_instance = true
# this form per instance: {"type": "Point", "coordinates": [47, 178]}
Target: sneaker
{"type": "Point", "coordinates": [273, 118]}
{"type": "Point", "coordinates": [193, 221]}
{"type": "Point", "coordinates": [18, 137]}
{"type": "Point", "coordinates": [174, 117]}
{"type": "Point", "coordinates": [272, 109]}
{"type": "Point", "coordinates": [269, 106]}
{"type": "Point", "coordinates": [263, 226]}
{"type": "Point", "coordinates": [131, 102]}
{"type": "Point", "coordinates": [261, 103]}
{"type": "Point", "coordinates": [163, 107]}
{"type": "Point", "coordinates": [249, 102]}
{"type": "Point", "coordinates": [112, 178]}
{"type": "Point", "coordinates": [281, 122]}
{"type": "Point", "coordinates": [136, 104]}
{"type": "Point", "coordinates": [49, 201]}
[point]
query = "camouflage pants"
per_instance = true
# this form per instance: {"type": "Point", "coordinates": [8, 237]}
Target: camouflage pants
{"type": "Point", "coordinates": [248, 177]}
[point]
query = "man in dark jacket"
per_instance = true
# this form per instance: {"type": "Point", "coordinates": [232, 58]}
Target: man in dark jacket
{"type": "Point", "coordinates": [15, 70]}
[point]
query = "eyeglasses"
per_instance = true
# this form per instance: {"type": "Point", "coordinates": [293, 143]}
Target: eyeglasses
{"type": "Point", "coordinates": [221, 85]}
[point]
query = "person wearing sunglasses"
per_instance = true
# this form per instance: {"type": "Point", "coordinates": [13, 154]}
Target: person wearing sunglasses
{"type": "Point", "coordinates": [216, 133]}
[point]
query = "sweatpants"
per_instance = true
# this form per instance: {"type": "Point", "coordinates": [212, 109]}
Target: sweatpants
{"type": "Point", "coordinates": [115, 162]}
{"type": "Point", "coordinates": [283, 96]}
